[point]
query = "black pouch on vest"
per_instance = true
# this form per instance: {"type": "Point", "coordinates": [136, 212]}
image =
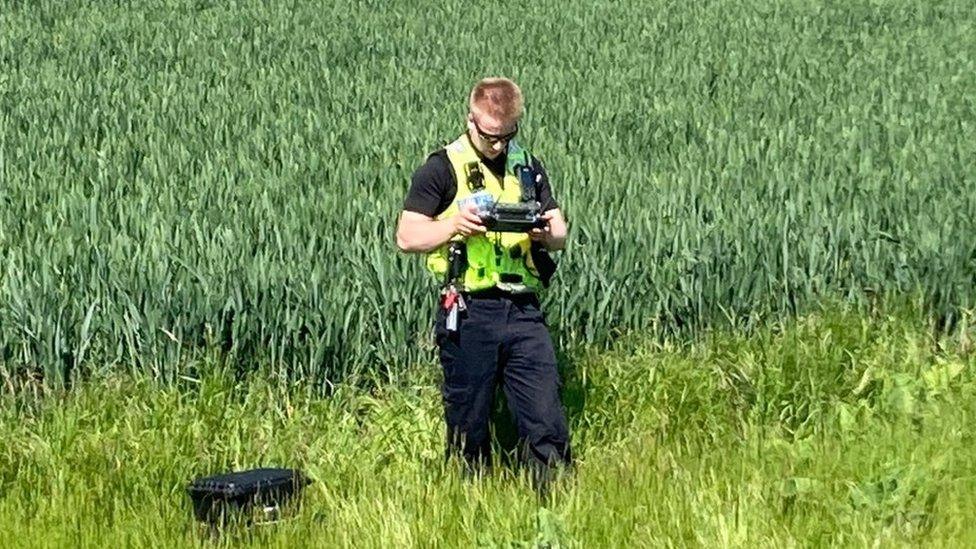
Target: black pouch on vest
{"type": "Point", "coordinates": [544, 263]}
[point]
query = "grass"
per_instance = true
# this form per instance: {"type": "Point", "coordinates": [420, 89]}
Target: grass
{"type": "Point", "coordinates": [198, 271]}
{"type": "Point", "coordinates": [833, 429]}
{"type": "Point", "coordinates": [186, 173]}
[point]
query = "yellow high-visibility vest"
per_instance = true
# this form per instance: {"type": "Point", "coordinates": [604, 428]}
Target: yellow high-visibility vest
{"type": "Point", "coordinates": [495, 259]}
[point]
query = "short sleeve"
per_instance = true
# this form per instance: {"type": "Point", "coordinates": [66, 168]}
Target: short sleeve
{"type": "Point", "coordinates": [543, 189]}
{"type": "Point", "coordinates": [432, 186]}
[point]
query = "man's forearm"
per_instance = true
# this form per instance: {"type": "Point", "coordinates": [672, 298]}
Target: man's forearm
{"type": "Point", "coordinates": [423, 235]}
{"type": "Point", "coordinates": [554, 243]}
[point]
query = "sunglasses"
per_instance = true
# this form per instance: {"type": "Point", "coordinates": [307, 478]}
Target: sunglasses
{"type": "Point", "coordinates": [492, 139]}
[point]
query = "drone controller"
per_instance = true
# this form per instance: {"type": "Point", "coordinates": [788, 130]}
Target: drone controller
{"type": "Point", "coordinates": [519, 217]}
{"type": "Point", "coordinates": [506, 217]}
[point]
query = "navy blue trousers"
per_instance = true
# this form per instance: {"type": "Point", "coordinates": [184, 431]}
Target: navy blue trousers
{"type": "Point", "coordinates": [502, 339]}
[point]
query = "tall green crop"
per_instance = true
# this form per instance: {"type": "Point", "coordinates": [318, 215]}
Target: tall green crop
{"type": "Point", "coordinates": [194, 174]}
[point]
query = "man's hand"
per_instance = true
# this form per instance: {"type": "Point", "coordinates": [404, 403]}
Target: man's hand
{"type": "Point", "coordinates": [553, 235]}
{"type": "Point", "coordinates": [467, 222]}
{"type": "Point", "coordinates": [419, 233]}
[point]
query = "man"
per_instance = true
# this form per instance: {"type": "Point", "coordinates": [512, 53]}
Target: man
{"type": "Point", "coordinates": [501, 335]}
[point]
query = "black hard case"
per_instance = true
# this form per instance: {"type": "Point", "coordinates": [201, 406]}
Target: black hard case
{"type": "Point", "coordinates": [216, 495]}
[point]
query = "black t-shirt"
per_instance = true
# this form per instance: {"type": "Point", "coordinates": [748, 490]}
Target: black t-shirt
{"type": "Point", "coordinates": [434, 185]}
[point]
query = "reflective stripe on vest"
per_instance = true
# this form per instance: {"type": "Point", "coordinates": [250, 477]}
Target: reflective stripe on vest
{"type": "Point", "coordinates": [495, 259]}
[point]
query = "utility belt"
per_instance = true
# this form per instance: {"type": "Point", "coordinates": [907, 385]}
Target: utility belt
{"type": "Point", "coordinates": [455, 302]}
{"type": "Point", "coordinates": [497, 293]}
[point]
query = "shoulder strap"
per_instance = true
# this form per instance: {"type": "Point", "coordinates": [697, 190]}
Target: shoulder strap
{"type": "Point", "coordinates": [520, 162]}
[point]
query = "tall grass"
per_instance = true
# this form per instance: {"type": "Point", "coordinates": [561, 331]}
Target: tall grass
{"type": "Point", "coordinates": [835, 429]}
{"type": "Point", "coordinates": [187, 175]}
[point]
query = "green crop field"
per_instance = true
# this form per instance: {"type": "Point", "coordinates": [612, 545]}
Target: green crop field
{"type": "Point", "coordinates": [764, 313]}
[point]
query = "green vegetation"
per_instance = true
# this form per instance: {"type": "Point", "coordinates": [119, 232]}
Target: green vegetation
{"type": "Point", "coordinates": [836, 429]}
{"type": "Point", "coordinates": [197, 268]}
{"type": "Point", "coordinates": [190, 174]}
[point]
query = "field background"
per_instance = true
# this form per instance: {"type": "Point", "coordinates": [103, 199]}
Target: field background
{"type": "Point", "coordinates": [197, 204]}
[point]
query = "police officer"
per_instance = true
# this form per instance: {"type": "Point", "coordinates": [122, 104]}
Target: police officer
{"type": "Point", "coordinates": [501, 335]}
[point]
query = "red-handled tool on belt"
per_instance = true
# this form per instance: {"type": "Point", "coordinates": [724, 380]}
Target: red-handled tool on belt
{"type": "Point", "coordinates": [451, 299]}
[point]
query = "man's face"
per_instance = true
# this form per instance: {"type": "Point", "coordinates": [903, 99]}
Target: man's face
{"type": "Point", "coordinates": [490, 135]}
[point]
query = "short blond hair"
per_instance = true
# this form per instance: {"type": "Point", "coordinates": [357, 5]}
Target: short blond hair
{"type": "Point", "coordinates": [497, 97]}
